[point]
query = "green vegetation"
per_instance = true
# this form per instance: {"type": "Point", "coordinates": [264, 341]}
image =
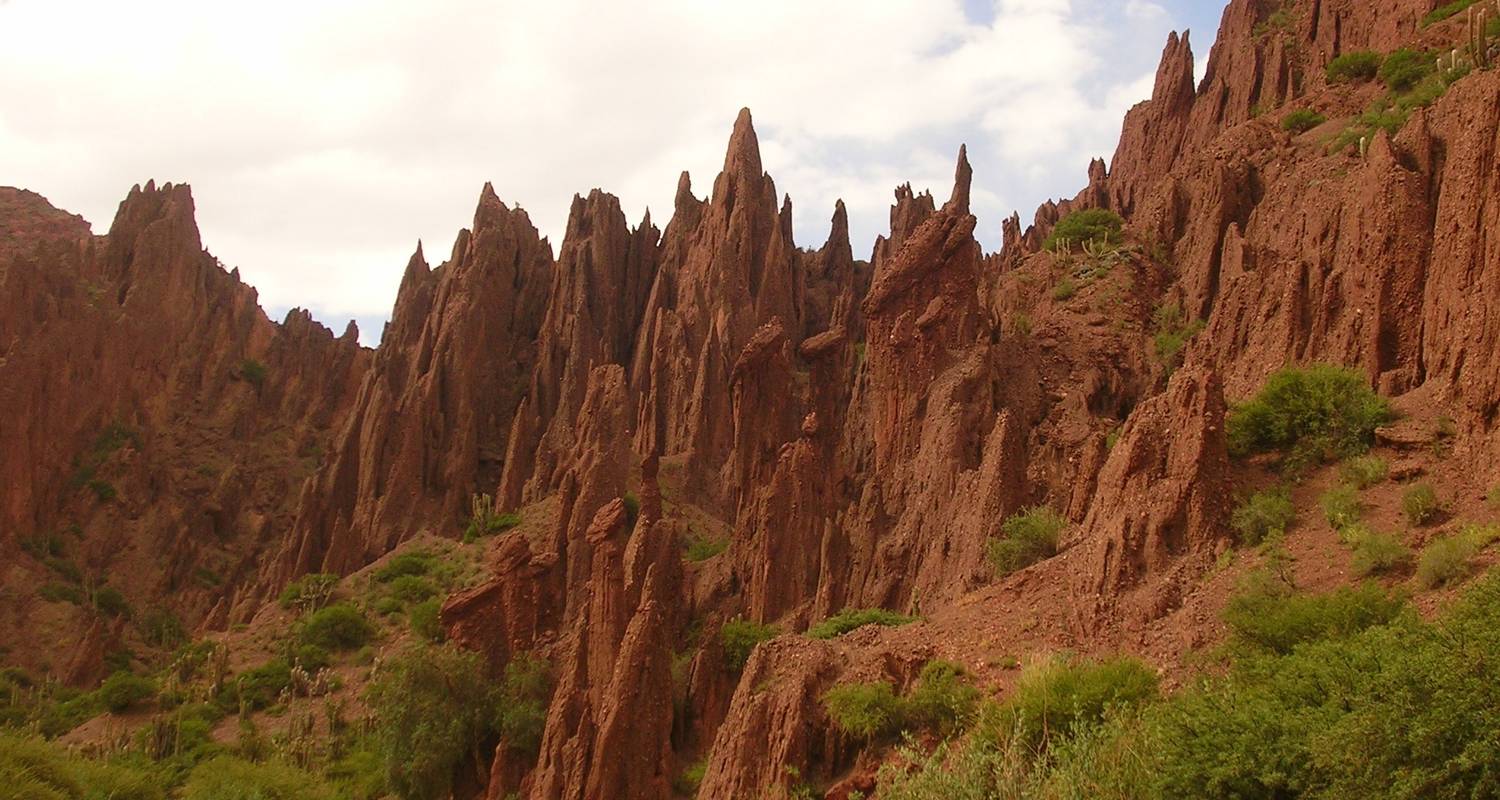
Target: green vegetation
{"type": "Point", "coordinates": [1065, 289]}
{"type": "Point", "coordinates": [632, 508]}
{"type": "Point", "coordinates": [338, 627]}
{"type": "Point", "coordinates": [424, 620]}
{"type": "Point", "coordinates": [253, 372]}
{"type": "Point", "coordinates": [851, 618]}
{"type": "Point", "coordinates": [1404, 69]}
{"type": "Point", "coordinates": [1302, 120]}
{"type": "Point", "coordinates": [1173, 331]}
{"type": "Point", "coordinates": [1444, 12]}
{"type": "Point", "coordinates": [1341, 506]}
{"type": "Point", "coordinates": [700, 547]}
{"type": "Point", "coordinates": [1019, 324]}
{"type": "Point", "coordinates": [1263, 515]}
{"type": "Point", "coordinates": [1310, 414]}
{"type": "Point", "coordinates": [942, 700]}
{"type": "Point", "coordinates": [1451, 558]}
{"type": "Point", "coordinates": [230, 778]}
{"type": "Point", "coordinates": [261, 687]}
{"type": "Point", "coordinates": [1268, 616]}
{"type": "Point", "coordinates": [1026, 538]}
{"type": "Point", "coordinates": [1362, 472]}
{"type": "Point", "coordinates": [1060, 694]}
{"type": "Point", "coordinates": [739, 638]}
{"type": "Point", "coordinates": [123, 691]}
{"type": "Point", "coordinates": [309, 592]}
{"type": "Point", "coordinates": [411, 589]}
{"type": "Point", "coordinates": [1420, 504]}
{"type": "Point", "coordinates": [1091, 225]}
{"type": "Point", "coordinates": [691, 777]}
{"type": "Point", "coordinates": [524, 693]}
{"type": "Point", "coordinates": [484, 520]}
{"type": "Point", "coordinates": [1360, 65]}
{"type": "Point", "coordinates": [419, 562]}
{"type": "Point", "coordinates": [32, 769]}
{"type": "Point", "coordinates": [1374, 552]}
{"type": "Point", "coordinates": [161, 628]}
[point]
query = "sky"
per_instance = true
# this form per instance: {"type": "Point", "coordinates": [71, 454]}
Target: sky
{"type": "Point", "coordinates": [324, 138]}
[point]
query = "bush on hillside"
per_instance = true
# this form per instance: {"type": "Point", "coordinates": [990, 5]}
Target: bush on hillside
{"type": "Point", "coordinates": [123, 691]}
{"type": "Point", "coordinates": [231, 778]}
{"type": "Point", "coordinates": [1377, 553]}
{"type": "Point", "coordinates": [1404, 69]}
{"type": "Point", "coordinates": [1341, 506]}
{"type": "Point", "coordinates": [1420, 504]}
{"type": "Point", "coordinates": [1091, 225]}
{"type": "Point", "coordinates": [1360, 65]}
{"type": "Point", "coordinates": [1025, 538]}
{"type": "Point", "coordinates": [309, 592]}
{"type": "Point", "coordinates": [1263, 515]}
{"type": "Point", "coordinates": [34, 769]}
{"type": "Point", "coordinates": [338, 627]}
{"type": "Point", "coordinates": [1266, 615]}
{"type": "Point", "coordinates": [1310, 413]}
{"type": "Point", "coordinates": [865, 710]}
{"type": "Point", "coordinates": [1062, 696]}
{"type": "Point", "coordinates": [739, 638]}
{"type": "Point", "coordinates": [1451, 558]}
{"type": "Point", "coordinates": [851, 618]}
{"type": "Point", "coordinates": [1302, 120]}
{"type": "Point", "coordinates": [1362, 472]}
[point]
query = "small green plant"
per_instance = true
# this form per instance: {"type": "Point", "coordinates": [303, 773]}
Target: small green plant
{"type": "Point", "coordinates": [1065, 289]}
{"type": "Point", "coordinates": [338, 627]}
{"type": "Point", "coordinates": [161, 628]}
{"type": "Point", "coordinates": [524, 691]}
{"type": "Point", "coordinates": [1090, 225]}
{"type": "Point", "coordinates": [123, 691]}
{"type": "Point", "coordinates": [1420, 504]}
{"type": "Point", "coordinates": [700, 547]}
{"type": "Point", "coordinates": [411, 589]}
{"type": "Point", "coordinates": [418, 562]}
{"type": "Point", "coordinates": [484, 520]}
{"type": "Point", "coordinates": [1302, 120]}
{"type": "Point", "coordinates": [260, 687]}
{"type": "Point", "coordinates": [61, 593]}
{"type": "Point", "coordinates": [1268, 615]}
{"type": "Point", "coordinates": [424, 619]}
{"type": "Point", "coordinates": [1445, 11]}
{"type": "Point", "coordinates": [1360, 65]}
{"type": "Point", "coordinates": [1020, 324]}
{"type": "Point", "coordinates": [739, 638]}
{"type": "Point", "coordinates": [1173, 332]}
{"type": "Point", "coordinates": [1310, 414]}
{"type": "Point", "coordinates": [1362, 472]}
{"type": "Point", "coordinates": [1063, 695]}
{"type": "Point", "coordinates": [253, 372]}
{"type": "Point", "coordinates": [687, 782]}
{"type": "Point", "coordinates": [1376, 553]}
{"type": "Point", "coordinates": [865, 710]}
{"type": "Point", "coordinates": [1341, 506]}
{"type": "Point", "coordinates": [103, 490]}
{"type": "Point", "coordinates": [851, 618]}
{"type": "Point", "coordinates": [943, 700]}
{"type": "Point", "coordinates": [1026, 538]}
{"type": "Point", "coordinates": [632, 508]}
{"type": "Point", "coordinates": [309, 592]}
{"type": "Point", "coordinates": [1263, 515]}
{"type": "Point", "coordinates": [1404, 69]}
{"type": "Point", "coordinates": [1451, 558]}
{"type": "Point", "coordinates": [111, 602]}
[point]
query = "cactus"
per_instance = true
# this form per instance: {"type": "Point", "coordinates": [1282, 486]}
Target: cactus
{"type": "Point", "coordinates": [1364, 145]}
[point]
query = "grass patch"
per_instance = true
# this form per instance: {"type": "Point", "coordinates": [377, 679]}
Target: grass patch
{"type": "Point", "coordinates": [1404, 69]}
{"type": "Point", "coordinates": [123, 691]}
{"type": "Point", "coordinates": [699, 547]}
{"type": "Point", "coordinates": [419, 562]}
{"type": "Point", "coordinates": [1355, 67]}
{"type": "Point", "coordinates": [338, 627]}
{"type": "Point", "coordinates": [1266, 615]}
{"type": "Point", "coordinates": [424, 620]}
{"type": "Point", "coordinates": [484, 520]}
{"type": "Point", "coordinates": [1420, 504]}
{"type": "Point", "coordinates": [740, 637]}
{"type": "Point", "coordinates": [1057, 697]}
{"type": "Point", "coordinates": [1450, 558]}
{"type": "Point", "coordinates": [1025, 538]}
{"type": "Point", "coordinates": [1341, 506]}
{"type": "Point", "coordinates": [1173, 332]}
{"type": "Point", "coordinates": [1375, 553]}
{"type": "Point", "coordinates": [1065, 289]}
{"type": "Point", "coordinates": [942, 700]}
{"type": "Point", "coordinates": [33, 769]}
{"type": "Point", "coordinates": [851, 618]}
{"type": "Point", "coordinates": [1263, 515]}
{"type": "Point", "coordinates": [253, 372]}
{"type": "Point", "coordinates": [1445, 11]}
{"type": "Point", "coordinates": [309, 592]}
{"type": "Point", "coordinates": [1362, 472]}
{"type": "Point", "coordinates": [1302, 120]}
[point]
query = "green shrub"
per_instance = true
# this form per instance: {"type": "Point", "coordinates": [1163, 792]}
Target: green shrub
{"type": "Point", "coordinates": [1027, 537]}
{"type": "Point", "coordinates": [1264, 514]}
{"type": "Point", "coordinates": [230, 778]}
{"type": "Point", "coordinates": [338, 627]}
{"type": "Point", "coordinates": [525, 690]}
{"type": "Point", "coordinates": [1065, 289]}
{"type": "Point", "coordinates": [1420, 504]}
{"type": "Point", "coordinates": [1091, 225]}
{"type": "Point", "coordinates": [1062, 696]}
{"type": "Point", "coordinates": [1341, 506]}
{"type": "Point", "coordinates": [424, 620]}
{"type": "Point", "coordinates": [311, 657]}
{"type": "Point", "coordinates": [1173, 332]}
{"type": "Point", "coordinates": [412, 589]}
{"type": "Point", "coordinates": [485, 521]}
{"type": "Point", "coordinates": [1445, 11]}
{"type": "Point", "coordinates": [61, 593]}
{"type": "Point", "coordinates": [1404, 69]}
{"type": "Point", "coordinates": [417, 562]}
{"type": "Point", "coordinates": [632, 508]}
{"type": "Point", "coordinates": [387, 605]}
{"type": "Point", "coordinates": [1302, 120]}
{"type": "Point", "coordinates": [253, 372]}
{"type": "Point", "coordinates": [261, 687]}
{"type": "Point", "coordinates": [161, 628]}
{"type": "Point", "coordinates": [103, 490]}
{"type": "Point", "coordinates": [1267, 616]}
{"type": "Point", "coordinates": [309, 592]}
{"type": "Point", "coordinates": [1378, 553]}
{"type": "Point", "coordinates": [1311, 413]}
{"type": "Point", "coordinates": [943, 699]}
{"type": "Point", "coordinates": [865, 710]}
{"type": "Point", "coordinates": [33, 769]}
{"type": "Point", "coordinates": [111, 602]}
{"type": "Point", "coordinates": [851, 618]}
{"type": "Point", "coordinates": [1362, 472]}
{"type": "Point", "coordinates": [433, 711]}
{"type": "Point", "coordinates": [739, 638]}
{"type": "Point", "coordinates": [1360, 65]}
{"type": "Point", "coordinates": [123, 691]}
{"type": "Point", "coordinates": [687, 782]}
{"type": "Point", "coordinates": [1451, 558]}
{"type": "Point", "coordinates": [699, 547]}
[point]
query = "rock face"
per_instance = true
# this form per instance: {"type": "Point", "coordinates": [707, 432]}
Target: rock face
{"type": "Point", "coordinates": [173, 466]}
{"type": "Point", "coordinates": [705, 426]}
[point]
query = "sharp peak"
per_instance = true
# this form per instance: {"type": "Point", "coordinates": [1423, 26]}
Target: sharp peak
{"type": "Point", "coordinates": [963, 178]}
{"type": "Point", "coordinates": [743, 156]}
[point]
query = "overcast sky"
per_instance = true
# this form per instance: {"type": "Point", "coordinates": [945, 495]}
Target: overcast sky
{"type": "Point", "coordinates": [323, 138]}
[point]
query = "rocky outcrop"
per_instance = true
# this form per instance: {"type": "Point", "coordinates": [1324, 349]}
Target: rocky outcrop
{"type": "Point", "coordinates": [429, 428]}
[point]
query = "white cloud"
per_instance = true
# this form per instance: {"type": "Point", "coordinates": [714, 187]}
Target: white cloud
{"type": "Point", "coordinates": [323, 138]}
